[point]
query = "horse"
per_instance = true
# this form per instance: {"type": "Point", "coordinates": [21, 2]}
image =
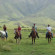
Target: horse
{"type": "Point", "coordinates": [2, 35]}
{"type": "Point", "coordinates": [17, 35]}
{"type": "Point", "coordinates": [33, 35]}
{"type": "Point", "coordinates": [49, 36]}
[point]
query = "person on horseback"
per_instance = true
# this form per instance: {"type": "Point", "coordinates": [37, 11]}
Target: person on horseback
{"type": "Point", "coordinates": [34, 28]}
{"type": "Point", "coordinates": [5, 29]}
{"type": "Point", "coordinates": [49, 30]}
{"type": "Point", "coordinates": [2, 34]}
{"type": "Point", "coordinates": [19, 30]}
{"type": "Point", "coordinates": [16, 33]}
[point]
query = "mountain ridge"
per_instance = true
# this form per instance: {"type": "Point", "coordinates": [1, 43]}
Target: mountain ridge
{"type": "Point", "coordinates": [30, 11]}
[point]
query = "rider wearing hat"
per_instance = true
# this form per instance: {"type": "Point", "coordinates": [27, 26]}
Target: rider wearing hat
{"type": "Point", "coordinates": [19, 30]}
{"type": "Point", "coordinates": [34, 28]}
{"type": "Point", "coordinates": [49, 30]}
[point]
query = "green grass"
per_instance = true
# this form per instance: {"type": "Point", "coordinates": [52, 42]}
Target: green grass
{"type": "Point", "coordinates": [25, 47]}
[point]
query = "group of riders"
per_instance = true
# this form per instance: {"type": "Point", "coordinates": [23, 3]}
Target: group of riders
{"type": "Point", "coordinates": [34, 33]}
{"type": "Point", "coordinates": [17, 32]}
{"type": "Point", "coordinates": [34, 28]}
{"type": "Point", "coordinates": [49, 34]}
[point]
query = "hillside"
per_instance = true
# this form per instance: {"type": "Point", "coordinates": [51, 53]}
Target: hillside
{"type": "Point", "coordinates": [27, 12]}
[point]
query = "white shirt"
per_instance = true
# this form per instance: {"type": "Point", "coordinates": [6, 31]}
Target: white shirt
{"type": "Point", "coordinates": [49, 29]}
{"type": "Point", "coordinates": [35, 28]}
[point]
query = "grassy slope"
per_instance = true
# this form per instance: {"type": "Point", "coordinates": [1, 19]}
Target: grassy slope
{"type": "Point", "coordinates": [40, 22]}
{"type": "Point", "coordinates": [41, 47]}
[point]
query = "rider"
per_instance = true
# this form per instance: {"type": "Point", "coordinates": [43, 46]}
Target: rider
{"type": "Point", "coordinates": [5, 29]}
{"type": "Point", "coordinates": [16, 33]}
{"type": "Point", "coordinates": [19, 30]}
{"type": "Point", "coordinates": [49, 30]}
{"type": "Point", "coordinates": [34, 28]}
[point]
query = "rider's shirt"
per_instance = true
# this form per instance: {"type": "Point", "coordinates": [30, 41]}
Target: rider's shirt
{"type": "Point", "coordinates": [35, 28]}
{"type": "Point", "coordinates": [19, 29]}
{"type": "Point", "coordinates": [49, 29]}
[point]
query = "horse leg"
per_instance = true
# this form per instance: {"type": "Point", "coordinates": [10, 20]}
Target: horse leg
{"type": "Point", "coordinates": [48, 40]}
{"type": "Point", "coordinates": [32, 40]}
{"type": "Point", "coordinates": [20, 37]}
{"type": "Point", "coordinates": [16, 40]}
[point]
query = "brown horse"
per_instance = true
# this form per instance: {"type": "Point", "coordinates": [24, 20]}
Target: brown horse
{"type": "Point", "coordinates": [33, 35]}
{"type": "Point", "coordinates": [49, 35]}
{"type": "Point", "coordinates": [17, 35]}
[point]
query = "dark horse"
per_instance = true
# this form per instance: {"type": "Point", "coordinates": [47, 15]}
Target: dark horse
{"type": "Point", "coordinates": [17, 36]}
{"type": "Point", "coordinates": [49, 35]}
{"type": "Point", "coordinates": [33, 35]}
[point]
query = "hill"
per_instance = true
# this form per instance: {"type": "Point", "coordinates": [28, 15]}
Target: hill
{"type": "Point", "coordinates": [27, 12]}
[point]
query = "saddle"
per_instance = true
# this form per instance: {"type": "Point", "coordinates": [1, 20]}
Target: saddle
{"type": "Point", "coordinates": [34, 34]}
{"type": "Point", "coordinates": [19, 33]}
{"type": "Point", "coordinates": [49, 33]}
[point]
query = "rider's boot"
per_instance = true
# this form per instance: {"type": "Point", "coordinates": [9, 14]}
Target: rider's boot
{"type": "Point", "coordinates": [20, 37]}
{"type": "Point", "coordinates": [37, 34]}
{"type": "Point", "coordinates": [30, 34]}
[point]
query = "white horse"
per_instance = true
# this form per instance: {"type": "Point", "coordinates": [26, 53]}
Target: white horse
{"type": "Point", "coordinates": [2, 34]}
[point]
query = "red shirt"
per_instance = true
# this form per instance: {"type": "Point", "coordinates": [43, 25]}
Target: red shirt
{"type": "Point", "coordinates": [19, 28]}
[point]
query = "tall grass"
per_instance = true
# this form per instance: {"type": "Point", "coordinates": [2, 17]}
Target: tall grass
{"type": "Point", "coordinates": [25, 47]}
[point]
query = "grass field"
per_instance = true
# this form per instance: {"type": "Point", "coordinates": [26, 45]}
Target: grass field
{"type": "Point", "coordinates": [25, 47]}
